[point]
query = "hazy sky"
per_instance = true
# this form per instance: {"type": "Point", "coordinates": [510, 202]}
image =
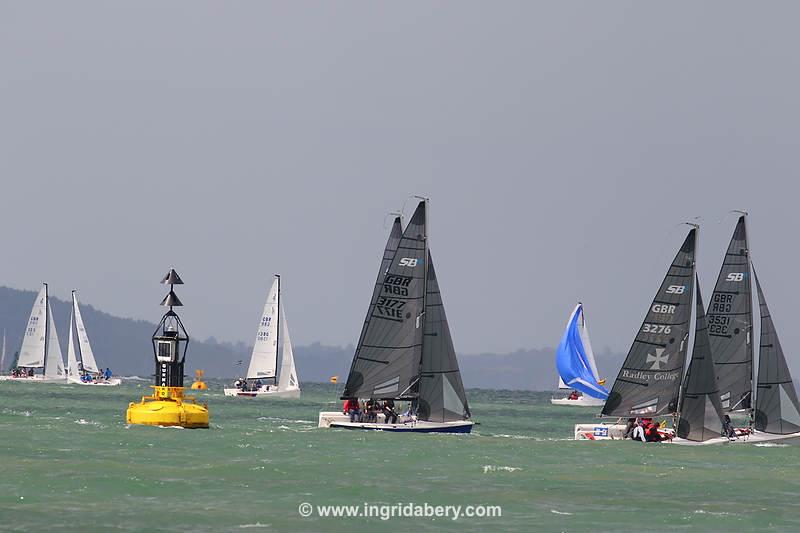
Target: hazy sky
{"type": "Point", "coordinates": [561, 144]}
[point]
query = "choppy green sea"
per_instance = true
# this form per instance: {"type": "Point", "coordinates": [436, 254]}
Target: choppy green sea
{"type": "Point", "coordinates": [68, 461]}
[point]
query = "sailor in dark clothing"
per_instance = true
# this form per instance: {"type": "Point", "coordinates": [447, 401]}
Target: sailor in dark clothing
{"type": "Point", "coordinates": [727, 428]}
{"type": "Point", "coordinates": [651, 432]}
{"type": "Point", "coordinates": [389, 412]}
{"type": "Point", "coordinates": [629, 428]}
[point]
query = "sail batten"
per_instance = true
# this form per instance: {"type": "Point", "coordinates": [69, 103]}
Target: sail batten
{"type": "Point", "coordinates": [649, 381]}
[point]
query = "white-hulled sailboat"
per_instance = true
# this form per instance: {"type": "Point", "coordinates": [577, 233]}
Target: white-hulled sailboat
{"type": "Point", "coordinates": [651, 384]}
{"type": "Point", "coordinates": [769, 396]}
{"type": "Point", "coordinates": [577, 369]}
{"type": "Point", "coordinates": [40, 347]}
{"type": "Point", "coordinates": [405, 351]}
{"type": "Point", "coordinates": [82, 367]}
{"type": "Point", "coordinates": [272, 345]}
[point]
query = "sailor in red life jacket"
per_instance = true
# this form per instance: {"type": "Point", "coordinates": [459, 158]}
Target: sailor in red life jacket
{"type": "Point", "coordinates": [573, 395]}
{"type": "Point", "coordinates": [651, 432]}
{"type": "Point", "coordinates": [353, 408]}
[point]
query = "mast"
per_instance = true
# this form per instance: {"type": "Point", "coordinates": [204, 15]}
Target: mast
{"type": "Point", "coordinates": [46, 327]}
{"type": "Point", "coordinates": [3, 355]}
{"type": "Point", "coordinates": [421, 318]}
{"type": "Point", "coordinates": [750, 334]}
{"type": "Point", "coordinates": [696, 295]}
{"type": "Point", "coordinates": [80, 354]}
{"type": "Point", "coordinates": [278, 333]}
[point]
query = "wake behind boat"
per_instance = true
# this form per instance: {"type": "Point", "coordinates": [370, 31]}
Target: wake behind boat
{"type": "Point", "coordinates": [576, 365]}
{"type": "Point", "coordinates": [272, 342]}
{"type": "Point", "coordinates": [40, 347]}
{"type": "Point", "coordinates": [405, 351]}
{"type": "Point", "coordinates": [82, 367]}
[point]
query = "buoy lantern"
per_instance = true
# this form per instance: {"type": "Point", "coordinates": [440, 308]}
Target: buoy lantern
{"type": "Point", "coordinates": [168, 406]}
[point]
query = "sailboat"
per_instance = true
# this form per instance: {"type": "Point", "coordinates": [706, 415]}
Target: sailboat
{"type": "Point", "coordinates": [272, 345]}
{"type": "Point", "coordinates": [40, 347]}
{"type": "Point", "coordinates": [405, 351]}
{"type": "Point", "coordinates": [576, 366]}
{"type": "Point", "coordinates": [82, 367]}
{"type": "Point", "coordinates": [775, 413]}
{"type": "Point", "coordinates": [651, 383]}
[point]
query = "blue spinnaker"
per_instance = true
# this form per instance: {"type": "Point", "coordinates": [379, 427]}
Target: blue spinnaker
{"type": "Point", "coordinates": [573, 362]}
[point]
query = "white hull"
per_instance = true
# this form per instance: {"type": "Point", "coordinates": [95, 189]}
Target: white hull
{"type": "Point", "coordinates": [405, 424]}
{"type": "Point", "coordinates": [267, 391]}
{"type": "Point", "coordinates": [599, 431]}
{"type": "Point", "coordinates": [35, 379]}
{"type": "Point", "coordinates": [113, 382]}
{"type": "Point", "coordinates": [604, 431]}
{"type": "Point", "coordinates": [582, 401]}
{"type": "Point", "coordinates": [758, 437]}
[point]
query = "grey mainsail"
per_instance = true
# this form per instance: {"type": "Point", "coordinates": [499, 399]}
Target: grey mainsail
{"type": "Point", "coordinates": [649, 380]}
{"type": "Point", "coordinates": [701, 411]}
{"type": "Point", "coordinates": [777, 408]}
{"type": "Point", "coordinates": [441, 391]}
{"type": "Point", "coordinates": [730, 324]}
{"type": "Point", "coordinates": [388, 254]}
{"type": "Point", "coordinates": [387, 358]}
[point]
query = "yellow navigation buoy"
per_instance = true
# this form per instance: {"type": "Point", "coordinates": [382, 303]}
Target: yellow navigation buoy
{"type": "Point", "coordinates": [199, 384]}
{"type": "Point", "coordinates": [168, 406]}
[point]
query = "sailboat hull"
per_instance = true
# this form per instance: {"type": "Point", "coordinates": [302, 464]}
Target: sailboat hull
{"type": "Point", "coordinates": [264, 392]}
{"type": "Point", "coordinates": [113, 382]}
{"type": "Point", "coordinates": [582, 401]}
{"type": "Point", "coordinates": [35, 379]}
{"type": "Point", "coordinates": [339, 420]}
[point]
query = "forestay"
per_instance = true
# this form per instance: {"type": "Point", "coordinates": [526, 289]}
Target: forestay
{"type": "Point", "coordinates": [701, 412]}
{"type": "Point", "coordinates": [730, 319]}
{"type": "Point", "coordinates": [387, 358]}
{"type": "Point", "coordinates": [777, 407]}
{"type": "Point", "coordinates": [649, 380]}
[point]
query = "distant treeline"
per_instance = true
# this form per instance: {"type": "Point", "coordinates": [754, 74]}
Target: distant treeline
{"type": "Point", "coordinates": [123, 344]}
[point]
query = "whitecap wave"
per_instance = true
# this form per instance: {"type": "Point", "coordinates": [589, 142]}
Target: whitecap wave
{"type": "Point", "coordinates": [494, 468]}
{"type": "Point", "coordinates": [771, 445]}
{"type": "Point", "coordinates": [554, 511]}
{"type": "Point", "coordinates": [283, 420]}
